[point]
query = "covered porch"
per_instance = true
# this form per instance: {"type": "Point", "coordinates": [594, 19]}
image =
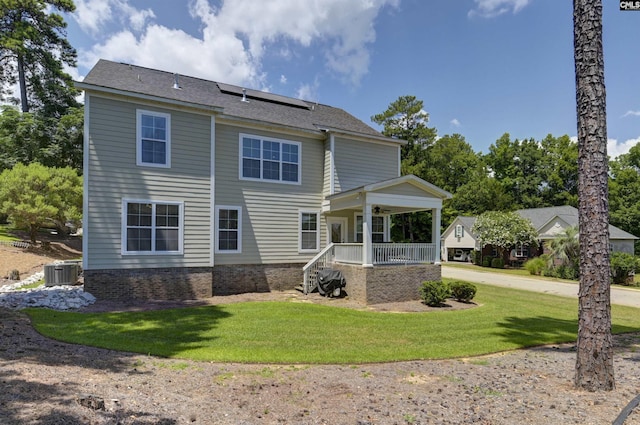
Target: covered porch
{"type": "Point", "coordinates": [358, 223]}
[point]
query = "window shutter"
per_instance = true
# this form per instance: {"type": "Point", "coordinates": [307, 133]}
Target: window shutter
{"type": "Point", "coordinates": [459, 231]}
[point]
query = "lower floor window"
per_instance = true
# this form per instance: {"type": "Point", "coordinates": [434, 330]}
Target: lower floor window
{"type": "Point", "coordinates": [522, 250]}
{"type": "Point", "coordinates": [152, 226]}
{"type": "Point", "coordinates": [309, 231]}
{"type": "Point", "coordinates": [229, 229]}
{"type": "Point", "coordinates": [377, 229]}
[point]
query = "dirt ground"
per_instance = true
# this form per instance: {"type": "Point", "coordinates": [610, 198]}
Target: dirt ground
{"type": "Point", "coordinates": [31, 260]}
{"type": "Point", "coordinates": [46, 382]}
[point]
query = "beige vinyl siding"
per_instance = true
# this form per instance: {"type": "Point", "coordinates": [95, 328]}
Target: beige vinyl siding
{"type": "Point", "coordinates": [360, 163]}
{"type": "Point", "coordinates": [269, 210]}
{"type": "Point", "coordinates": [114, 175]}
{"type": "Point", "coordinates": [405, 189]}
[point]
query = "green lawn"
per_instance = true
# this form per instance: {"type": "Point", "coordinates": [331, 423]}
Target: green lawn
{"type": "Point", "coordinates": [5, 234]}
{"type": "Point", "coordinates": [292, 332]}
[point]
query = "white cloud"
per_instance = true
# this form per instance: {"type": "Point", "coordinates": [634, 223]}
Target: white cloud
{"type": "Point", "coordinates": [493, 8]}
{"type": "Point", "coordinates": [283, 79]}
{"type": "Point", "coordinates": [631, 113]}
{"type": "Point", "coordinates": [93, 15]}
{"type": "Point", "coordinates": [615, 149]}
{"type": "Point", "coordinates": [454, 122]}
{"type": "Point", "coordinates": [229, 49]}
{"type": "Point", "coordinates": [308, 92]}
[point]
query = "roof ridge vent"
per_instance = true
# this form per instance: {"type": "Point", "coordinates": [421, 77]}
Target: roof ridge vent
{"type": "Point", "coordinates": [176, 83]}
{"type": "Point", "coordinates": [244, 95]}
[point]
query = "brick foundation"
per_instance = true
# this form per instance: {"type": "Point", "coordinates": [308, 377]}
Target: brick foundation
{"type": "Point", "coordinates": [380, 284]}
{"type": "Point", "coordinates": [241, 278]}
{"type": "Point", "coordinates": [176, 283]}
{"type": "Point", "coordinates": [190, 283]}
{"type": "Point", "coordinates": [384, 284]}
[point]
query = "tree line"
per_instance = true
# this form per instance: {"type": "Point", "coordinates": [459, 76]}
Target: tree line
{"type": "Point", "coordinates": [41, 129]}
{"type": "Point", "coordinates": [513, 174]}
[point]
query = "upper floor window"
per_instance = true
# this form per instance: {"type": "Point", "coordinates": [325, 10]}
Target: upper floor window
{"type": "Point", "coordinates": [152, 227]}
{"type": "Point", "coordinates": [269, 159]}
{"type": "Point", "coordinates": [459, 231]}
{"type": "Point", "coordinates": [153, 144]}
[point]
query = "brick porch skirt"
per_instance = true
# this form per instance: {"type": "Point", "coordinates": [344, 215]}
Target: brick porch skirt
{"type": "Point", "coordinates": [385, 284]}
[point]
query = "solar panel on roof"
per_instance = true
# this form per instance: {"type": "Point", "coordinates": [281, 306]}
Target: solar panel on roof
{"type": "Point", "coordinates": [257, 94]}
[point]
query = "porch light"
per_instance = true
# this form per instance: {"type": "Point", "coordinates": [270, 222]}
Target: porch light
{"type": "Point", "coordinates": [376, 209]}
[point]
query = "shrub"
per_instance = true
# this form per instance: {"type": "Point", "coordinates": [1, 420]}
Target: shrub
{"type": "Point", "coordinates": [535, 266]}
{"type": "Point", "coordinates": [486, 261]}
{"type": "Point", "coordinates": [434, 292]}
{"type": "Point", "coordinates": [623, 267]}
{"type": "Point", "coordinates": [497, 263]}
{"type": "Point", "coordinates": [462, 291]}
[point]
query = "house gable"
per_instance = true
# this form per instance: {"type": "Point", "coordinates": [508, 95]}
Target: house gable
{"type": "Point", "coordinates": [553, 228]}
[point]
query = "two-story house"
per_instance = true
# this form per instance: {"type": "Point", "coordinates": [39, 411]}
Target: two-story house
{"type": "Point", "coordinates": [194, 187]}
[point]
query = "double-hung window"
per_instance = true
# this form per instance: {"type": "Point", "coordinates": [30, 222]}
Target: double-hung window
{"type": "Point", "coordinates": [377, 229]}
{"type": "Point", "coordinates": [309, 239]}
{"type": "Point", "coordinates": [152, 227]}
{"type": "Point", "coordinates": [269, 159]}
{"type": "Point", "coordinates": [522, 250]}
{"type": "Point", "coordinates": [229, 229]}
{"type": "Point", "coordinates": [153, 134]}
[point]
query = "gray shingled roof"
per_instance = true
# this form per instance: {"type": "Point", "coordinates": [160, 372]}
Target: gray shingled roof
{"type": "Point", "coordinates": [541, 216]}
{"type": "Point", "coordinates": [136, 80]}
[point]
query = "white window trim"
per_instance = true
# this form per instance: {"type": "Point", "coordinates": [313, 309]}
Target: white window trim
{"type": "Point", "coordinates": [217, 229]}
{"type": "Point", "coordinates": [269, 139]}
{"type": "Point", "coordinates": [385, 225]}
{"type": "Point", "coordinates": [318, 225]}
{"type": "Point", "coordinates": [139, 162]}
{"type": "Point", "coordinates": [123, 242]}
{"type": "Point", "coordinates": [459, 231]}
{"type": "Point", "coordinates": [524, 250]}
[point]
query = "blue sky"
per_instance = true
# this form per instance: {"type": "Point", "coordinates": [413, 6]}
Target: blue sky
{"type": "Point", "coordinates": [482, 67]}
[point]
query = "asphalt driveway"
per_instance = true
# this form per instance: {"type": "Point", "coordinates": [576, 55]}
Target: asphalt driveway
{"type": "Point", "coordinates": [619, 295]}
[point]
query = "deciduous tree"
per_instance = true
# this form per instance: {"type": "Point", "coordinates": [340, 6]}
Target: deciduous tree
{"type": "Point", "coordinates": [34, 195]}
{"type": "Point", "coordinates": [504, 230]}
{"type": "Point", "coordinates": [624, 193]}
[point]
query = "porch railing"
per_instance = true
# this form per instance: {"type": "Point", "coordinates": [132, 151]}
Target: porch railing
{"type": "Point", "coordinates": [403, 253]}
{"type": "Point", "coordinates": [317, 263]}
{"type": "Point", "coordinates": [348, 253]}
{"type": "Point", "coordinates": [387, 253]}
{"type": "Point", "coordinates": [382, 254]}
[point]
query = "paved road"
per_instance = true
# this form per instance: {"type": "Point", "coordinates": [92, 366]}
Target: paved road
{"type": "Point", "coordinates": [621, 296]}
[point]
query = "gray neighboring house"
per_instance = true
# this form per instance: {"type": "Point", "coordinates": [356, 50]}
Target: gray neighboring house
{"type": "Point", "coordinates": [194, 188]}
{"type": "Point", "coordinates": [549, 223]}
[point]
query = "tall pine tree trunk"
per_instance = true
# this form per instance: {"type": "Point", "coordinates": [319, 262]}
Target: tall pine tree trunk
{"type": "Point", "coordinates": [23, 84]}
{"type": "Point", "coordinates": [594, 362]}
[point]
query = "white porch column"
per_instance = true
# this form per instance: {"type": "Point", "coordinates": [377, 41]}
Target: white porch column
{"type": "Point", "coordinates": [367, 251]}
{"type": "Point", "coordinates": [435, 232]}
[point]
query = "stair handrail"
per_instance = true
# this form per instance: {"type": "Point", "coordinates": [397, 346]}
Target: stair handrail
{"type": "Point", "coordinates": [308, 285]}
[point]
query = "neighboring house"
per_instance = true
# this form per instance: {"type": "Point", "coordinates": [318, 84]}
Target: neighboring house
{"type": "Point", "coordinates": [194, 188]}
{"type": "Point", "coordinates": [549, 222]}
{"type": "Point", "coordinates": [457, 239]}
